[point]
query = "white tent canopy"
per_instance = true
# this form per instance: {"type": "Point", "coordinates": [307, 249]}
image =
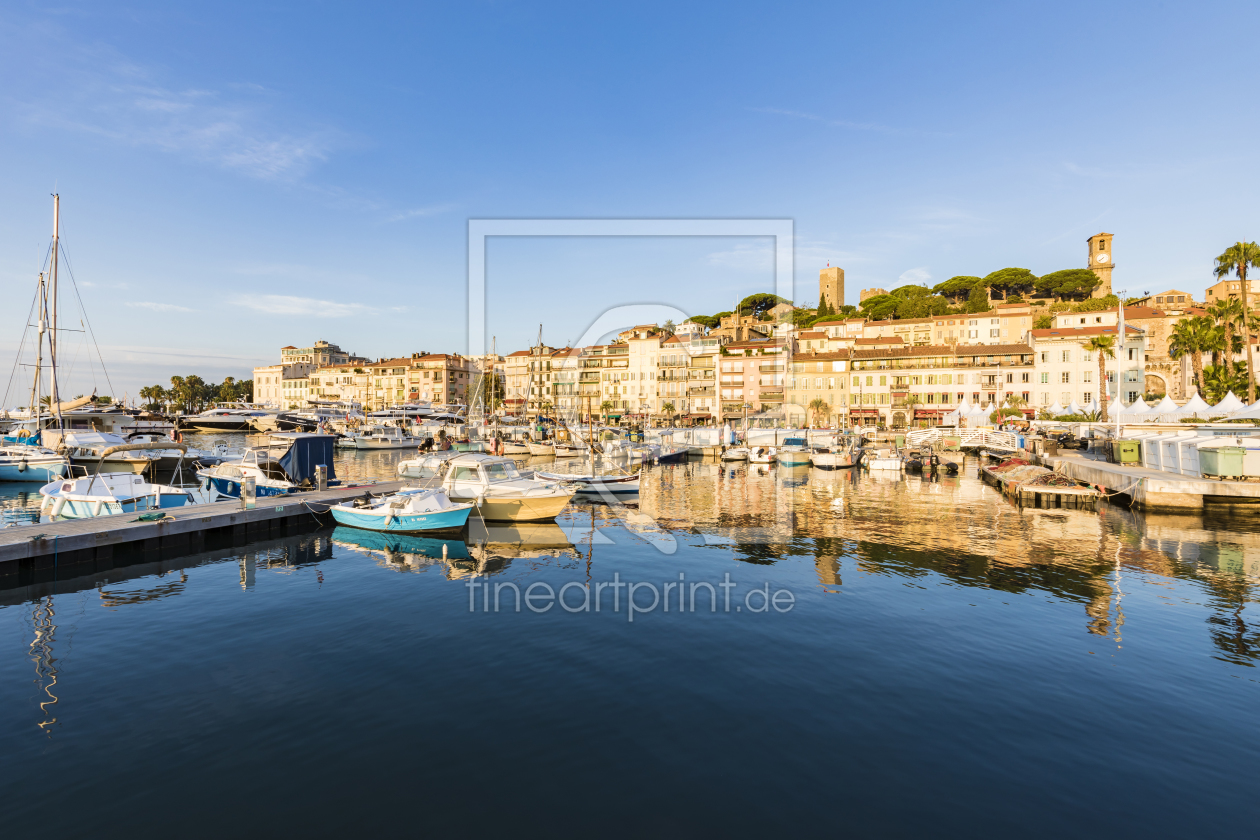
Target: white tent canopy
{"type": "Point", "coordinates": [1196, 404]}
{"type": "Point", "coordinates": [1055, 410]}
{"type": "Point", "coordinates": [1073, 408]}
{"type": "Point", "coordinates": [1230, 403]}
{"type": "Point", "coordinates": [1139, 407]}
{"type": "Point", "coordinates": [1166, 406]}
{"type": "Point", "coordinates": [1248, 413]}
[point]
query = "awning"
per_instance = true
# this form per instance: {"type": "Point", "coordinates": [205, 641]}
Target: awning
{"type": "Point", "coordinates": [864, 411]}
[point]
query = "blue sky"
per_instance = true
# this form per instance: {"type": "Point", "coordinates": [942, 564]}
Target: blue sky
{"type": "Point", "coordinates": [240, 176]}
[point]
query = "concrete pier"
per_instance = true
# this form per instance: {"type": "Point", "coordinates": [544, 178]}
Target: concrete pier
{"type": "Point", "coordinates": [95, 544]}
{"type": "Point", "coordinates": [1153, 490]}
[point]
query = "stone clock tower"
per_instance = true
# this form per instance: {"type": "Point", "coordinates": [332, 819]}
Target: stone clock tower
{"type": "Point", "coordinates": [1101, 261]}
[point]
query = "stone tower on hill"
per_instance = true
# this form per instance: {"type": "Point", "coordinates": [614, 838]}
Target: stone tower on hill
{"type": "Point", "coordinates": [831, 287]}
{"type": "Point", "coordinates": [1101, 261]}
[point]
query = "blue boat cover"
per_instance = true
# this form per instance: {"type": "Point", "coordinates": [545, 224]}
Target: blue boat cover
{"type": "Point", "coordinates": [305, 454]}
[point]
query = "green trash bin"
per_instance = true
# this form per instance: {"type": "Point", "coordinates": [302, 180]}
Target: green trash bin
{"type": "Point", "coordinates": [1221, 461]}
{"type": "Point", "coordinates": [1128, 452]}
{"type": "Point", "coordinates": [900, 441]}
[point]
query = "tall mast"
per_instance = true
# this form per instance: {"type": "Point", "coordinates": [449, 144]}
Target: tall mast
{"type": "Point", "coordinates": [41, 306]}
{"type": "Point", "coordinates": [55, 394]}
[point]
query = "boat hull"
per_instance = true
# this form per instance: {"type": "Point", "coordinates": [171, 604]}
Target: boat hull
{"type": "Point", "coordinates": [541, 449]}
{"type": "Point", "coordinates": [231, 488]}
{"type": "Point", "coordinates": [84, 509]}
{"type": "Point", "coordinates": [519, 509]}
{"type": "Point", "coordinates": [515, 449]}
{"type": "Point", "coordinates": [793, 459]}
{"type": "Point", "coordinates": [33, 472]}
{"type": "Point", "coordinates": [411, 523]}
{"type": "Point", "coordinates": [833, 460]}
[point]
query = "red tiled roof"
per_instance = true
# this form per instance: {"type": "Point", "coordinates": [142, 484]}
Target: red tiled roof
{"type": "Point", "coordinates": [891, 339]}
{"type": "Point", "coordinates": [812, 334]}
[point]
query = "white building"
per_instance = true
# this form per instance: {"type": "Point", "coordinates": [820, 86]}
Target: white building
{"type": "Point", "coordinates": [1067, 371]}
{"type": "Point", "coordinates": [283, 386]}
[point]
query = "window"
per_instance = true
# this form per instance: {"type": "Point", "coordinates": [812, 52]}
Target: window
{"type": "Point", "coordinates": [1088, 376]}
{"type": "Point", "coordinates": [1085, 356]}
{"type": "Point", "coordinates": [1067, 355]}
{"type": "Point", "coordinates": [1045, 377]}
{"type": "Point", "coordinates": [1045, 357]}
{"type": "Point", "coordinates": [831, 382]}
{"type": "Point", "coordinates": [1102, 245]}
{"type": "Point", "coordinates": [855, 381]}
{"type": "Point", "coordinates": [1066, 397]}
{"type": "Point", "coordinates": [1066, 377]}
{"type": "Point", "coordinates": [994, 333]}
{"type": "Point", "coordinates": [1087, 397]}
{"type": "Point", "coordinates": [883, 380]}
{"type": "Point", "coordinates": [1132, 352]}
{"type": "Point", "coordinates": [870, 381]}
{"type": "Point", "coordinates": [1133, 395]}
{"type": "Point", "coordinates": [1010, 377]}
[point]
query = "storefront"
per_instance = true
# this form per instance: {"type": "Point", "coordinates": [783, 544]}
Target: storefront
{"type": "Point", "coordinates": [864, 417]}
{"type": "Point", "coordinates": [926, 418]}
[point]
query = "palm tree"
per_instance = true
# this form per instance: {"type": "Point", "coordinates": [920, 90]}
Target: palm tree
{"type": "Point", "coordinates": [606, 406]}
{"type": "Point", "coordinates": [668, 409]}
{"type": "Point", "coordinates": [1236, 259]}
{"type": "Point", "coordinates": [1229, 315]}
{"type": "Point", "coordinates": [819, 406]}
{"type": "Point", "coordinates": [1190, 337]}
{"type": "Point", "coordinates": [1102, 345]}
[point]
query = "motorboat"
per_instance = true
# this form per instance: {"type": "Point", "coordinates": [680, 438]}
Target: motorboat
{"type": "Point", "coordinates": [23, 462]}
{"type": "Point", "coordinates": [670, 451]}
{"type": "Point", "coordinates": [541, 447]}
{"type": "Point", "coordinates": [428, 465]}
{"type": "Point", "coordinates": [223, 420]}
{"type": "Point", "coordinates": [793, 453]}
{"type": "Point", "coordinates": [109, 494]}
{"type": "Point", "coordinates": [835, 457]}
{"type": "Point", "coordinates": [596, 486]}
{"type": "Point", "coordinates": [470, 446]}
{"type": "Point", "coordinates": [85, 449]}
{"type": "Point", "coordinates": [401, 549]}
{"type": "Point", "coordinates": [385, 437]}
{"type": "Point", "coordinates": [883, 459]}
{"type": "Point", "coordinates": [516, 444]}
{"type": "Point", "coordinates": [171, 457]}
{"type": "Point", "coordinates": [736, 453]}
{"type": "Point", "coordinates": [409, 511]}
{"type": "Point", "coordinates": [761, 454]}
{"type": "Point", "coordinates": [501, 492]}
{"type": "Point", "coordinates": [286, 464]}
{"type": "Point", "coordinates": [348, 440]}
{"type": "Point", "coordinates": [569, 450]}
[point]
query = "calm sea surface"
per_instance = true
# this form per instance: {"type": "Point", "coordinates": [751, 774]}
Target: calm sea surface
{"type": "Point", "coordinates": [933, 662]}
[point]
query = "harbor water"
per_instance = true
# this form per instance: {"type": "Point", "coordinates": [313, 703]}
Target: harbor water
{"type": "Point", "coordinates": [809, 651]}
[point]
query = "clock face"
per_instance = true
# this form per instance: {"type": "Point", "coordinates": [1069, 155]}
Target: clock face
{"type": "Point", "coordinates": [1102, 258]}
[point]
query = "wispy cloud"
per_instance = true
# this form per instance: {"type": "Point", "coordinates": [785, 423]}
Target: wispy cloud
{"type": "Point", "coordinates": [96, 90]}
{"type": "Point", "coordinates": [435, 210]}
{"type": "Point", "coordinates": [291, 305]}
{"type": "Point", "coordinates": [158, 307]}
{"type": "Point", "coordinates": [918, 276]}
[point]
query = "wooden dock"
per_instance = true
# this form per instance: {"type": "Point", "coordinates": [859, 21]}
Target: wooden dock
{"type": "Point", "coordinates": [82, 546]}
{"type": "Point", "coordinates": [1040, 495]}
{"type": "Point", "coordinates": [1153, 490]}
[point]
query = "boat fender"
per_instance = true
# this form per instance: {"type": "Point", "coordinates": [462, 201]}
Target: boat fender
{"type": "Point", "coordinates": [96, 508]}
{"type": "Point", "coordinates": [22, 466]}
{"type": "Point", "coordinates": [57, 506]}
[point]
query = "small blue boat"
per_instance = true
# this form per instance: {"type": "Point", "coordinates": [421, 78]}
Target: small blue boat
{"type": "Point", "coordinates": [405, 512]}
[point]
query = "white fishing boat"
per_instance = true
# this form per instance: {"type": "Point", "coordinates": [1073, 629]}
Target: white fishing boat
{"type": "Point", "coordinates": [501, 492]}
{"type": "Point", "coordinates": [569, 450]}
{"type": "Point", "coordinates": [793, 453]}
{"type": "Point", "coordinates": [109, 494]}
{"type": "Point", "coordinates": [736, 453]}
{"type": "Point", "coordinates": [883, 459]}
{"type": "Point", "coordinates": [86, 449]}
{"type": "Point", "coordinates": [385, 437]}
{"type": "Point", "coordinates": [428, 465]}
{"type": "Point", "coordinates": [836, 457]}
{"type": "Point", "coordinates": [594, 485]}
{"type": "Point", "coordinates": [21, 462]}
{"type": "Point", "coordinates": [669, 450]}
{"type": "Point", "coordinates": [541, 447]}
{"type": "Point", "coordinates": [761, 454]}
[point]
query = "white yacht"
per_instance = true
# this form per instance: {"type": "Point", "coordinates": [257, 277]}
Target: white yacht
{"type": "Point", "coordinates": [19, 462]}
{"type": "Point", "coordinates": [502, 493]}
{"type": "Point", "coordinates": [385, 437]}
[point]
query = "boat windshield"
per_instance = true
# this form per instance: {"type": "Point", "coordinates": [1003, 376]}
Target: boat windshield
{"type": "Point", "coordinates": [501, 472]}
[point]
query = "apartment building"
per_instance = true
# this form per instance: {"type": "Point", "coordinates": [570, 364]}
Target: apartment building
{"type": "Point", "coordinates": [752, 374]}
{"type": "Point", "coordinates": [1163, 374]}
{"type": "Point", "coordinates": [1171, 299]}
{"type": "Point", "coordinates": [283, 385]}
{"type": "Point", "coordinates": [900, 385]}
{"type": "Point", "coordinates": [817, 375]}
{"type": "Point", "coordinates": [1231, 287]}
{"type": "Point", "coordinates": [440, 378]}
{"type": "Point", "coordinates": [320, 354]}
{"type": "Point", "coordinates": [642, 365]}
{"type": "Point", "coordinates": [1068, 372]}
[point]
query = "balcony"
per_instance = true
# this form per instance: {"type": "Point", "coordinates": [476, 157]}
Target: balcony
{"type": "Point", "coordinates": [705, 362]}
{"type": "Point", "coordinates": [701, 391]}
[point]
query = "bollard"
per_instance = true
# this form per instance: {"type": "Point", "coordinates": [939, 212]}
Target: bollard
{"type": "Point", "coordinates": [321, 477]}
{"type": "Point", "coordinates": [249, 492]}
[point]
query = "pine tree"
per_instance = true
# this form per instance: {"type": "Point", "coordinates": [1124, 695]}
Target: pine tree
{"type": "Point", "coordinates": [823, 308]}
